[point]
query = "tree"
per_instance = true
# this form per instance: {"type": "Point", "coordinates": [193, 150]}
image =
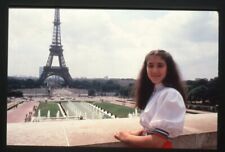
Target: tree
{"type": "Point", "coordinates": [15, 93]}
{"type": "Point", "coordinates": [198, 93]}
{"type": "Point", "coordinates": [213, 91]}
{"type": "Point", "coordinates": [91, 92]}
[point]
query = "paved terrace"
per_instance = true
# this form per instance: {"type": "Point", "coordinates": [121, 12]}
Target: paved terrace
{"type": "Point", "coordinates": [200, 131]}
{"type": "Point", "coordinates": [19, 112]}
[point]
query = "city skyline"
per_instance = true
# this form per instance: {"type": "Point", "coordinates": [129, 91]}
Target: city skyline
{"type": "Point", "coordinates": [113, 43]}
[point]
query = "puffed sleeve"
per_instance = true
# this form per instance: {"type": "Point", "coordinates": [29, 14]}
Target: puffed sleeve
{"type": "Point", "coordinates": [170, 113]}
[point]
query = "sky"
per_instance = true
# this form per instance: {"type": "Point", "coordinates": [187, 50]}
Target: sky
{"type": "Point", "coordinates": [113, 43]}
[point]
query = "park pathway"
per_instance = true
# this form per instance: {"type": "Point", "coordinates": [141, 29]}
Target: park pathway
{"type": "Point", "coordinates": [18, 114]}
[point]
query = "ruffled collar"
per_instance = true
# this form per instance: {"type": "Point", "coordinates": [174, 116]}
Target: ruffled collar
{"type": "Point", "coordinates": [158, 87]}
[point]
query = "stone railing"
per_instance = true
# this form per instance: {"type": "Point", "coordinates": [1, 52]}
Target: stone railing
{"type": "Point", "coordinates": [200, 132]}
{"type": "Point", "coordinates": [13, 104]}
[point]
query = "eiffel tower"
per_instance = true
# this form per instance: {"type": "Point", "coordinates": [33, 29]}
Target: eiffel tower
{"type": "Point", "coordinates": [56, 50]}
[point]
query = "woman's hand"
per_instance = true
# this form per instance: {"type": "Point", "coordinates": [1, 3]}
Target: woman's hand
{"type": "Point", "coordinates": [137, 132]}
{"type": "Point", "coordinates": [135, 139]}
{"type": "Point", "coordinates": [122, 136]}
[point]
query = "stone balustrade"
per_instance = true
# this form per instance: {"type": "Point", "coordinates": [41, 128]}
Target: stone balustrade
{"type": "Point", "coordinates": [200, 132]}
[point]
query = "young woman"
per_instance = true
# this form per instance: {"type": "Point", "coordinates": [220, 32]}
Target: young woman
{"type": "Point", "coordinates": [161, 97]}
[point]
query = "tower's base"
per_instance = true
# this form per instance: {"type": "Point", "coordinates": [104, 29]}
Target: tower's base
{"type": "Point", "coordinates": [58, 71]}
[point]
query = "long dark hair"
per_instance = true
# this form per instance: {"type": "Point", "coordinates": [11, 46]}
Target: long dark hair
{"type": "Point", "coordinates": [144, 87]}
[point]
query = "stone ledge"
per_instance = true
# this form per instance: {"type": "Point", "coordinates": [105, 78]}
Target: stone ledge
{"type": "Point", "coordinates": [200, 131]}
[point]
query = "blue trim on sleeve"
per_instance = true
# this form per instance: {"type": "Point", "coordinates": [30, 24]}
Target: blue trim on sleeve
{"type": "Point", "coordinates": [160, 131]}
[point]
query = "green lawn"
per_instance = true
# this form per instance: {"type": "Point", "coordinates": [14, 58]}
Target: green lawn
{"type": "Point", "coordinates": [117, 110]}
{"type": "Point", "coordinates": [44, 107]}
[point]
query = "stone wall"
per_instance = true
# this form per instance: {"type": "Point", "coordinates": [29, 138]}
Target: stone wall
{"type": "Point", "coordinates": [200, 132]}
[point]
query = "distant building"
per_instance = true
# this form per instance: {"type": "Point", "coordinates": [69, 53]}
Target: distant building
{"type": "Point", "coordinates": [106, 77]}
{"type": "Point", "coordinates": [197, 79]}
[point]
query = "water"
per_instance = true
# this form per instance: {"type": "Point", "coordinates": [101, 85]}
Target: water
{"type": "Point", "coordinates": [57, 114]}
{"type": "Point", "coordinates": [48, 114]}
{"type": "Point", "coordinates": [136, 113]}
{"type": "Point", "coordinates": [85, 110]}
{"type": "Point", "coordinates": [39, 113]}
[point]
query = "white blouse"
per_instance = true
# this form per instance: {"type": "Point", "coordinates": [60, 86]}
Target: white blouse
{"type": "Point", "coordinates": [165, 110]}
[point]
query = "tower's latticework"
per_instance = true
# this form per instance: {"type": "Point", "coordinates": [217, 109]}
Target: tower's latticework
{"type": "Point", "coordinates": [56, 50]}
